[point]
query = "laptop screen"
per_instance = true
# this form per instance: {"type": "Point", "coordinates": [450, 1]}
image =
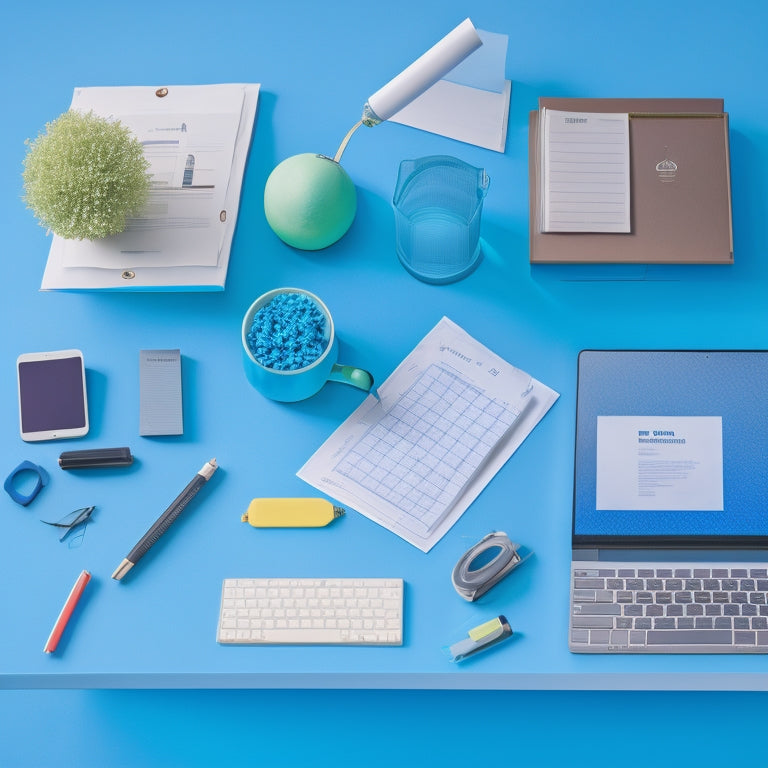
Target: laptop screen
{"type": "Point", "coordinates": [671, 448]}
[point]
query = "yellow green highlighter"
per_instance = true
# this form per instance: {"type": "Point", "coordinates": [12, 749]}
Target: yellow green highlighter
{"type": "Point", "coordinates": [291, 513]}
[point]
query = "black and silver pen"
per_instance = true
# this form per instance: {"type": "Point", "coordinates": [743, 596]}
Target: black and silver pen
{"type": "Point", "coordinates": [165, 520]}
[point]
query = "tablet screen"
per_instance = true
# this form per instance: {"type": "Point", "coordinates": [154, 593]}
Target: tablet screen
{"type": "Point", "coordinates": [52, 399]}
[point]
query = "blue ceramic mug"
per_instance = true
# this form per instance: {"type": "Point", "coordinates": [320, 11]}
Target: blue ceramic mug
{"type": "Point", "coordinates": [301, 383]}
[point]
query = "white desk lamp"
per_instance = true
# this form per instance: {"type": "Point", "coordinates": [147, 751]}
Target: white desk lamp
{"type": "Point", "coordinates": [309, 199]}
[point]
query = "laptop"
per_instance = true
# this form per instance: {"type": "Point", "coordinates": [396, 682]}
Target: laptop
{"type": "Point", "coordinates": [670, 505]}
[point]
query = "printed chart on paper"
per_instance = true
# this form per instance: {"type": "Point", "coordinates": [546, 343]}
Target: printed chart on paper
{"type": "Point", "coordinates": [423, 452]}
{"type": "Point", "coordinates": [445, 421]}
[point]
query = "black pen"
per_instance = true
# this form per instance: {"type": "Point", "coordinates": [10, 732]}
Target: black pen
{"type": "Point", "coordinates": [165, 520]}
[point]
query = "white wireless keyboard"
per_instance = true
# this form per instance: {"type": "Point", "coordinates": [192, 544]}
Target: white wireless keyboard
{"type": "Point", "coordinates": [345, 611]}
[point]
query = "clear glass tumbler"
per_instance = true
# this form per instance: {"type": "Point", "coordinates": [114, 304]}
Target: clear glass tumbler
{"type": "Point", "coordinates": [438, 203]}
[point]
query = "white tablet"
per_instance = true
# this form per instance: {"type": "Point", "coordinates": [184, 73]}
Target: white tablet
{"type": "Point", "coordinates": [52, 396]}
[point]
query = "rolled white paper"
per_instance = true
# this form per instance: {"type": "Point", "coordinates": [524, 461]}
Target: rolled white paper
{"type": "Point", "coordinates": [440, 59]}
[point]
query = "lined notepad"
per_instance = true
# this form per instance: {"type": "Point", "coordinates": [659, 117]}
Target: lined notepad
{"type": "Point", "coordinates": [160, 408]}
{"type": "Point", "coordinates": [585, 172]}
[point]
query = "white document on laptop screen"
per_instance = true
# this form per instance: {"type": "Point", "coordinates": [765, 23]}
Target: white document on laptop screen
{"type": "Point", "coordinates": [660, 463]}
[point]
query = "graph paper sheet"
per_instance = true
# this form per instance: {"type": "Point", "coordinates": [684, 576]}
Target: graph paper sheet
{"type": "Point", "coordinates": [444, 423]}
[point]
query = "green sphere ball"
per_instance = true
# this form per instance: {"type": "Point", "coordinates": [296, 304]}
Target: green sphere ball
{"type": "Point", "coordinates": [310, 201]}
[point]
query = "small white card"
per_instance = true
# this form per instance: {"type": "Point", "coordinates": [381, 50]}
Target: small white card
{"type": "Point", "coordinates": [660, 463]}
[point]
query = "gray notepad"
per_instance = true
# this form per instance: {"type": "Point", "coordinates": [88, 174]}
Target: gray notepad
{"type": "Point", "coordinates": [160, 410]}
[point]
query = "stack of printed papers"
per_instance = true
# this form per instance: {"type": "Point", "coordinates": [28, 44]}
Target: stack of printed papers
{"type": "Point", "coordinates": [196, 139]}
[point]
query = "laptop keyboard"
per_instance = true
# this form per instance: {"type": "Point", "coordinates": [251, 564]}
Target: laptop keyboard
{"type": "Point", "coordinates": [674, 608]}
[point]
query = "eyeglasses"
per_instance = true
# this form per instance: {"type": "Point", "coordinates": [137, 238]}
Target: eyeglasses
{"type": "Point", "coordinates": [72, 521]}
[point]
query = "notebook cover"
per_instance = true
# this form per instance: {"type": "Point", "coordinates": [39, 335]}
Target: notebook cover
{"type": "Point", "coordinates": [680, 187]}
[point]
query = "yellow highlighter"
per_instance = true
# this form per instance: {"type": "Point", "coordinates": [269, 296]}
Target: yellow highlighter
{"type": "Point", "coordinates": [291, 513]}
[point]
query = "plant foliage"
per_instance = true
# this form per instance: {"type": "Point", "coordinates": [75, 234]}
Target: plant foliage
{"type": "Point", "coordinates": [85, 176]}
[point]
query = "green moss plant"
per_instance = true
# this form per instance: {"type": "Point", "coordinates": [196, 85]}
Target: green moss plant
{"type": "Point", "coordinates": [84, 176]}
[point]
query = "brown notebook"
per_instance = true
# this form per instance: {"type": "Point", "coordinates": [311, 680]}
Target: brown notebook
{"type": "Point", "coordinates": [680, 187]}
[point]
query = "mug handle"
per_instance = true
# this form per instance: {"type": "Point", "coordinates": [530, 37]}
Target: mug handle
{"type": "Point", "coordinates": [348, 374]}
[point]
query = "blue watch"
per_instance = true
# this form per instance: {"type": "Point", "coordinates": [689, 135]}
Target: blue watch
{"type": "Point", "coordinates": [10, 482]}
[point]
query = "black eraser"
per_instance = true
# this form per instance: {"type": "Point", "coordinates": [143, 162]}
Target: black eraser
{"type": "Point", "coordinates": [96, 457]}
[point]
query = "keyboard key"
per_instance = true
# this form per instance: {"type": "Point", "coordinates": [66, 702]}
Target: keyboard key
{"type": "Point", "coordinates": [619, 637]}
{"type": "Point", "coordinates": [689, 637]}
{"type": "Point", "coordinates": [597, 609]}
{"type": "Point", "coordinates": [591, 583]}
{"type": "Point", "coordinates": [591, 622]}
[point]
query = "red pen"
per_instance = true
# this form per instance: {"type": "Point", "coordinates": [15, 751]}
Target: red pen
{"type": "Point", "coordinates": [66, 611]}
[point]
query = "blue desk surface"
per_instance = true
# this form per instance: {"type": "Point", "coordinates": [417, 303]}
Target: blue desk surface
{"type": "Point", "coordinates": [317, 63]}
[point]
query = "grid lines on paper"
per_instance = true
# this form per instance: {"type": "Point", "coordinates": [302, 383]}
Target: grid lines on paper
{"type": "Point", "coordinates": [423, 452]}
